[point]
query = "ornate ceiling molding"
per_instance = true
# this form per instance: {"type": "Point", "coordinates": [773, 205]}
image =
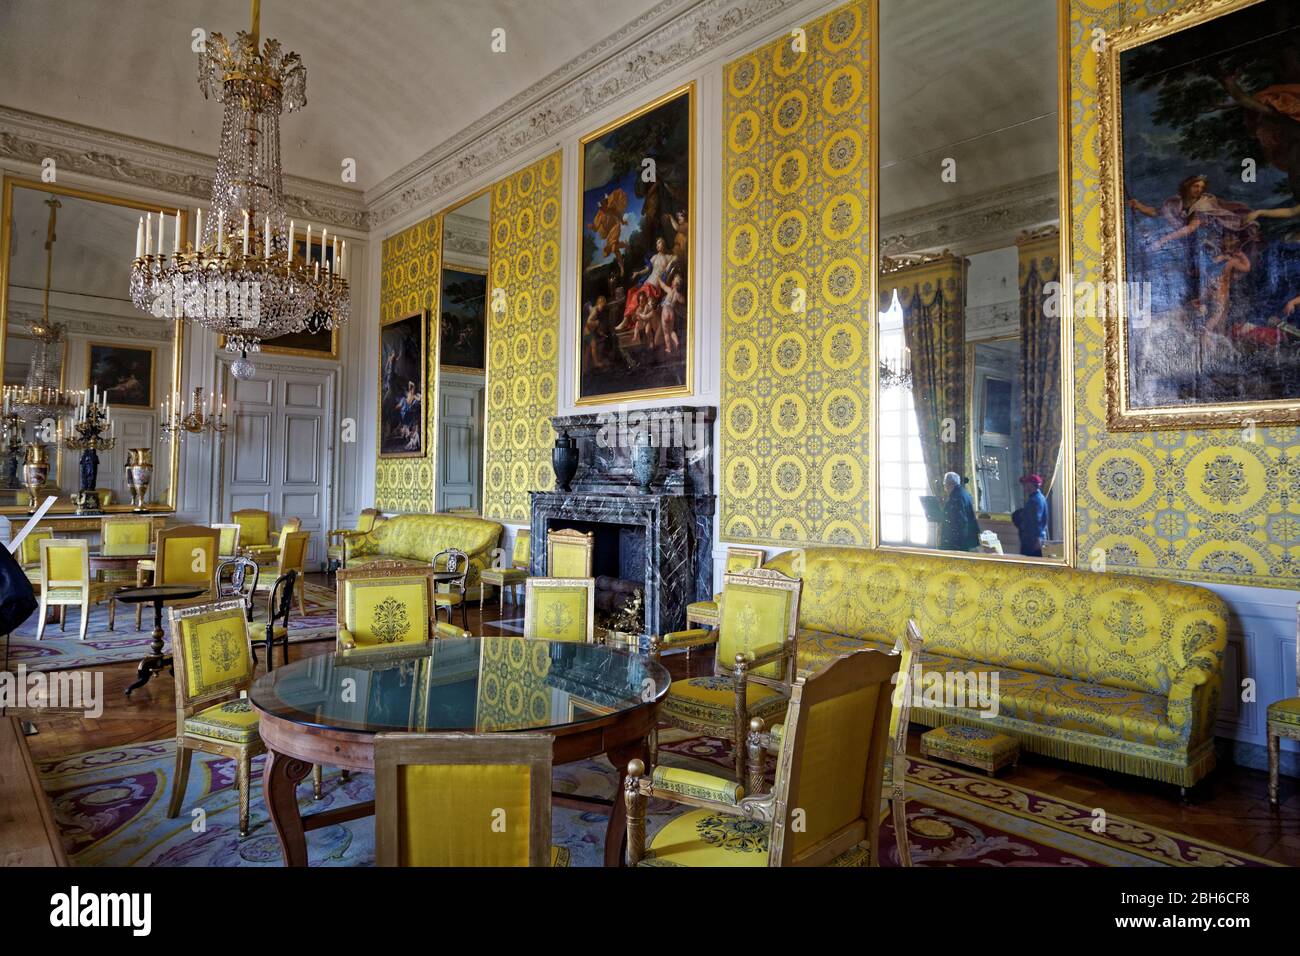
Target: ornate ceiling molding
{"type": "Point", "coordinates": [31, 138]}
{"type": "Point", "coordinates": [984, 221]}
{"type": "Point", "coordinates": [669, 35]}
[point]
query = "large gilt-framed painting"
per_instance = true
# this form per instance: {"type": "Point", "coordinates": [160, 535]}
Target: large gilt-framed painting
{"type": "Point", "coordinates": [402, 374]}
{"type": "Point", "coordinates": [635, 326]}
{"type": "Point", "coordinates": [124, 372]}
{"type": "Point", "coordinates": [1200, 131]}
{"type": "Point", "coordinates": [462, 324]}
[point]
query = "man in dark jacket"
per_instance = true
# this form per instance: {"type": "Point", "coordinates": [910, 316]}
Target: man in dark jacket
{"type": "Point", "coordinates": [1031, 519]}
{"type": "Point", "coordinates": [960, 531]}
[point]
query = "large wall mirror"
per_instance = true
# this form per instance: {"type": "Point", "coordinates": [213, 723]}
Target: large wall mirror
{"type": "Point", "coordinates": [461, 328]}
{"type": "Point", "coordinates": [68, 322]}
{"type": "Point", "coordinates": [971, 398]}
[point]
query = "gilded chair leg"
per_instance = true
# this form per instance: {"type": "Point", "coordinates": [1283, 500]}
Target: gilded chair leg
{"type": "Point", "coordinates": [755, 784]}
{"type": "Point", "coordinates": [317, 791]}
{"type": "Point", "coordinates": [1274, 759]}
{"type": "Point", "coordinates": [635, 801]}
{"type": "Point", "coordinates": [898, 811]}
{"type": "Point", "coordinates": [245, 782]}
{"type": "Point", "coordinates": [180, 778]}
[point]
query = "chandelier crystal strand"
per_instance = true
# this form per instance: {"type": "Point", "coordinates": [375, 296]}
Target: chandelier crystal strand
{"type": "Point", "coordinates": [240, 275]}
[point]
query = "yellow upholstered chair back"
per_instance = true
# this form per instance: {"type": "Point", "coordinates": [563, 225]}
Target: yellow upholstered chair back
{"type": "Point", "coordinates": [560, 609]}
{"type": "Point", "coordinates": [744, 559]}
{"type": "Point", "coordinates": [521, 553]}
{"type": "Point", "coordinates": [831, 767]}
{"type": "Point", "coordinates": [293, 551]}
{"type": "Point", "coordinates": [568, 553]}
{"type": "Point", "coordinates": [228, 543]}
{"type": "Point", "coordinates": [378, 605]}
{"type": "Point", "coordinates": [213, 659]}
{"type": "Point", "coordinates": [760, 609]}
{"type": "Point", "coordinates": [290, 525]}
{"type": "Point", "coordinates": [462, 800]}
{"type": "Point", "coordinates": [29, 552]}
{"type": "Point", "coordinates": [126, 535]}
{"type": "Point", "coordinates": [254, 525]}
{"type": "Point", "coordinates": [104, 496]}
{"type": "Point", "coordinates": [65, 563]}
{"type": "Point", "coordinates": [187, 555]}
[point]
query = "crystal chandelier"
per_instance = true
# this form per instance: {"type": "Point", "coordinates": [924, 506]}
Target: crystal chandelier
{"type": "Point", "coordinates": [240, 275]}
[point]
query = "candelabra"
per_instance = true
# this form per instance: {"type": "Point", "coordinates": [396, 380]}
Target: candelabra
{"type": "Point", "coordinates": [90, 430]}
{"type": "Point", "coordinates": [200, 420]}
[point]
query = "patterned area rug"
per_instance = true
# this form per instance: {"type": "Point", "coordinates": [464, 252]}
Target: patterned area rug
{"type": "Point", "coordinates": [62, 650]}
{"type": "Point", "coordinates": [110, 805]}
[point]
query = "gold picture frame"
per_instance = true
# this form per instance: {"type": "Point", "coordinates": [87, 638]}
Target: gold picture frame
{"type": "Point", "coordinates": [151, 399]}
{"type": "Point", "coordinates": [423, 317]}
{"type": "Point", "coordinates": [469, 270]}
{"type": "Point", "coordinates": [1121, 414]}
{"type": "Point", "coordinates": [687, 90]}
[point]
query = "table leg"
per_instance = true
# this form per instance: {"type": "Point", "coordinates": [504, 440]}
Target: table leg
{"type": "Point", "coordinates": [616, 829]}
{"type": "Point", "coordinates": [155, 662]}
{"type": "Point", "coordinates": [280, 778]}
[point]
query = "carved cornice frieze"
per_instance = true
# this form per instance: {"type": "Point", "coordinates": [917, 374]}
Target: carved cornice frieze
{"type": "Point", "coordinates": [994, 217]}
{"type": "Point", "coordinates": [31, 138]}
{"type": "Point", "coordinates": [94, 324]}
{"type": "Point", "coordinates": [670, 34]}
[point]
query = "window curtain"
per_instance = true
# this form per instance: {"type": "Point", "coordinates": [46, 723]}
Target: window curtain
{"type": "Point", "coordinates": [932, 294]}
{"type": "Point", "coordinates": [1040, 355]}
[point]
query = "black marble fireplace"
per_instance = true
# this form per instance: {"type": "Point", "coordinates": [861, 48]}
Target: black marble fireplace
{"type": "Point", "coordinates": [660, 542]}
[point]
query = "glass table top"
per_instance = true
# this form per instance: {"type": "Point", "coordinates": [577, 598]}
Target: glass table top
{"type": "Point", "coordinates": [480, 684]}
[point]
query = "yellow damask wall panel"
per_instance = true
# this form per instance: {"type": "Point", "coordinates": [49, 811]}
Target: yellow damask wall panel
{"type": "Point", "coordinates": [410, 274]}
{"type": "Point", "coordinates": [1208, 505]}
{"type": "Point", "coordinates": [523, 338]}
{"type": "Point", "coordinates": [796, 287]}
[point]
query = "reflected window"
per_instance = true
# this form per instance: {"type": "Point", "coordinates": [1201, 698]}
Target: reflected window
{"type": "Point", "coordinates": [902, 473]}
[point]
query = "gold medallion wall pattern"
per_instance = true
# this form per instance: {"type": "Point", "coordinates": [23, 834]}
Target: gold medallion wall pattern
{"type": "Point", "coordinates": [1207, 505]}
{"type": "Point", "coordinates": [523, 339]}
{"type": "Point", "coordinates": [410, 272]}
{"type": "Point", "coordinates": [796, 286]}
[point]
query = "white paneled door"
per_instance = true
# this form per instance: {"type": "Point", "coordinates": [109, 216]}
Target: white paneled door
{"type": "Point", "coordinates": [278, 448]}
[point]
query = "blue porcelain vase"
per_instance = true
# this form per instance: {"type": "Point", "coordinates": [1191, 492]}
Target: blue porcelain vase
{"type": "Point", "coordinates": [645, 461]}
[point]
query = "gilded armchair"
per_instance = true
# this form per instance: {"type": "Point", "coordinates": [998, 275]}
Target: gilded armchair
{"type": "Point", "coordinates": [511, 577]}
{"type": "Point", "coordinates": [568, 553]}
{"type": "Point", "coordinates": [738, 559]}
{"type": "Point", "coordinates": [292, 556]}
{"type": "Point", "coordinates": [560, 609]}
{"type": "Point", "coordinates": [753, 666]}
{"type": "Point", "coordinates": [337, 552]}
{"type": "Point", "coordinates": [825, 807]}
{"type": "Point", "coordinates": [438, 796]}
{"type": "Point", "coordinates": [1283, 721]}
{"type": "Point", "coordinates": [383, 604]}
{"type": "Point", "coordinates": [65, 581]}
{"type": "Point", "coordinates": [894, 786]}
{"type": "Point", "coordinates": [186, 554]}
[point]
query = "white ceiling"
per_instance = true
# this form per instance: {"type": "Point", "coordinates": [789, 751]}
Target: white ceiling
{"type": "Point", "coordinates": [387, 80]}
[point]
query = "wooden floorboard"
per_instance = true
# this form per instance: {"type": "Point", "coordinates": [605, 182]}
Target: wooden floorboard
{"type": "Point", "coordinates": [1229, 808]}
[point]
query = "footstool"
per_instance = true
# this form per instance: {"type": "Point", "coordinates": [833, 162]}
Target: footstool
{"type": "Point", "coordinates": [978, 747]}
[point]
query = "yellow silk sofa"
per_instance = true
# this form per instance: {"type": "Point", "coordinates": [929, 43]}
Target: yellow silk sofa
{"type": "Point", "coordinates": [415, 539]}
{"type": "Point", "coordinates": [1112, 670]}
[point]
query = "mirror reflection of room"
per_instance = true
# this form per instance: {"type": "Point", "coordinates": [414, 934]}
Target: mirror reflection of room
{"type": "Point", "coordinates": [70, 325]}
{"type": "Point", "coordinates": [969, 409]}
{"type": "Point", "coordinates": [462, 339]}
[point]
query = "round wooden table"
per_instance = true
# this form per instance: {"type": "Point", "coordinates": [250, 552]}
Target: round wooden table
{"type": "Point", "coordinates": [591, 699]}
{"type": "Point", "coordinates": [157, 595]}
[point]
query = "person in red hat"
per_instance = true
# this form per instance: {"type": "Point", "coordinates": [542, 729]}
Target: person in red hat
{"type": "Point", "coordinates": [1031, 518]}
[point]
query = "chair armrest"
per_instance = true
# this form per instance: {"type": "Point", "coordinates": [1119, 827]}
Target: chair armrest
{"type": "Point", "coordinates": [639, 788]}
{"type": "Point", "coordinates": [1189, 700]}
{"type": "Point", "coordinates": [443, 629]}
{"type": "Point", "coordinates": [345, 640]}
{"type": "Point", "coordinates": [694, 637]}
{"type": "Point", "coordinates": [762, 656]}
{"type": "Point", "coordinates": [669, 782]}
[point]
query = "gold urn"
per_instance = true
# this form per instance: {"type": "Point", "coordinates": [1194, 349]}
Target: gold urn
{"type": "Point", "coordinates": [139, 474]}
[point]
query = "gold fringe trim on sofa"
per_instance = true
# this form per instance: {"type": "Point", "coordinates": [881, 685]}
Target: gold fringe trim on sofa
{"type": "Point", "coordinates": [1199, 764]}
